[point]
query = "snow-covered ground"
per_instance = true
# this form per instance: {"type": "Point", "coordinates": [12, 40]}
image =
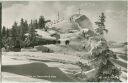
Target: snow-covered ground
{"type": "Point", "coordinates": [121, 62]}
{"type": "Point", "coordinates": [37, 66]}
{"type": "Point", "coordinates": [17, 65]}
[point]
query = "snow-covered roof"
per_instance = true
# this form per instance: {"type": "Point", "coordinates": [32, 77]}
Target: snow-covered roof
{"type": "Point", "coordinates": [44, 34]}
{"type": "Point", "coordinates": [51, 32]}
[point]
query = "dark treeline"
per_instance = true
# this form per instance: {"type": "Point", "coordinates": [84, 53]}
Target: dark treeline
{"type": "Point", "coordinates": [22, 34]}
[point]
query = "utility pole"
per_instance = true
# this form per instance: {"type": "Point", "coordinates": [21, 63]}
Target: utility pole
{"type": "Point", "coordinates": [58, 16]}
{"type": "Point", "coordinates": [79, 10]}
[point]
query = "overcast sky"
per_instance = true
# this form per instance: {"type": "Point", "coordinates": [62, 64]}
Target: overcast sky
{"type": "Point", "coordinates": [115, 13]}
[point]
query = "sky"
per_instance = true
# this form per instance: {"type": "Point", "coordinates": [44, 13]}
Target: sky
{"type": "Point", "coordinates": [115, 13]}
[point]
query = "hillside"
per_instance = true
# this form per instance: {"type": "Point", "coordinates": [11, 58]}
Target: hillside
{"type": "Point", "coordinates": [61, 61]}
{"type": "Point", "coordinates": [75, 22]}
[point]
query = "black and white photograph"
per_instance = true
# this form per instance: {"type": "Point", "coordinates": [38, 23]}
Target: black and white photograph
{"type": "Point", "coordinates": [63, 41]}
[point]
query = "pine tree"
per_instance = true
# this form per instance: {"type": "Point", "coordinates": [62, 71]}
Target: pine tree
{"type": "Point", "coordinates": [15, 36]}
{"type": "Point", "coordinates": [3, 31]}
{"type": "Point", "coordinates": [35, 24]}
{"type": "Point", "coordinates": [32, 35]}
{"type": "Point", "coordinates": [7, 33]}
{"type": "Point", "coordinates": [26, 26]}
{"type": "Point", "coordinates": [21, 29]}
{"type": "Point", "coordinates": [6, 41]}
{"type": "Point", "coordinates": [41, 22]}
{"type": "Point", "coordinates": [101, 26]}
{"type": "Point", "coordinates": [101, 56]}
{"type": "Point", "coordinates": [14, 30]}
